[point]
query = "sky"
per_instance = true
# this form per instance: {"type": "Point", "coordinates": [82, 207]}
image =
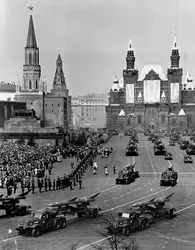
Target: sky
{"type": "Point", "coordinates": [92, 37]}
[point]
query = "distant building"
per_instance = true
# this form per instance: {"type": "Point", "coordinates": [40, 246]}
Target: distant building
{"type": "Point", "coordinates": [7, 109]}
{"type": "Point", "coordinates": [7, 91]}
{"type": "Point", "coordinates": [53, 109]}
{"type": "Point", "coordinates": [89, 111]}
{"type": "Point", "coordinates": [151, 99]}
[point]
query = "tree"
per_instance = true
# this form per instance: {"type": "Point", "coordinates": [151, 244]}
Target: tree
{"type": "Point", "coordinates": [115, 241]}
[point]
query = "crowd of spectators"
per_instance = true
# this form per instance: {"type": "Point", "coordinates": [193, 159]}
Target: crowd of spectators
{"type": "Point", "coordinates": [31, 167]}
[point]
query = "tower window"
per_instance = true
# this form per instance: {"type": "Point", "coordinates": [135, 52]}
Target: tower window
{"type": "Point", "coordinates": [30, 59]}
{"type": "Point", "coordinates": [36, 84]}
{"type": "Point", "coordinates": [162, 119]}
{"type": "Point", "coordinates": [30, 84]}
{"type": "Point", "coordinates": [139, 119]}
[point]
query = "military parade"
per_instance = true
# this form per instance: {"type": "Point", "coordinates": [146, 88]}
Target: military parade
{"type": "Point", "coordinates": [87, 162]}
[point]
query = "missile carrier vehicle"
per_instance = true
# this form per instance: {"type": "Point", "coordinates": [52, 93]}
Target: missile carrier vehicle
{"type": "Point", "coordinates": [141, 215]}
{"type": "Point", "coordinates": [159, 149]}
{"type": "Point", "coordinates": [169, 177]}
{"type": "Point", "coordinates": [127, 175]}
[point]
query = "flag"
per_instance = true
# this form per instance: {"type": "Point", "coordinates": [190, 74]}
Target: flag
{"type": "Point", "coordinates": [16, 244]}
{"type": "Point", "coordinates": [10, 231]}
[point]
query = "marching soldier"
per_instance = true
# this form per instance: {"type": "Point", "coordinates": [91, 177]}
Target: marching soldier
{"type": "Point", "coordinates": [15, 186]}
{"type": "Point", "coordinates": [22, 186]}
{"type": "Point", "coordinates": [70, 184]}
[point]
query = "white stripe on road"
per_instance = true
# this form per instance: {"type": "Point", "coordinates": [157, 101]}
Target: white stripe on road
{"type": "Point", "coordinates": [151, 163]}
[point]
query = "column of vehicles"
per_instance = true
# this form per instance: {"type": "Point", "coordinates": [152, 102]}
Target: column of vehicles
{"type": "Point", "coordinates": [52, 218]}
{"type": "Point", "coordinates": [132, 149]}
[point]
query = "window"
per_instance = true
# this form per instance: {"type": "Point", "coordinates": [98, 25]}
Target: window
{"type": "Point", "coordinates": [30, 59]}
{"type": "Point", "coordinates": [46, 104]}
{"type": "Point", "coordinates": [174, 122]}
{"type": "Point", "coordinates": [36, 84]}
{"type": "Point", "coordinates": [139, 119]}
{"type": "Point", "coordinates": [162, 119]}
{"type": "Point", "coordinates": [58, 105]}
{"type": "Point", "coordinates": [30, 85]}
{"type": "Point", "coordinates": [52, 105]}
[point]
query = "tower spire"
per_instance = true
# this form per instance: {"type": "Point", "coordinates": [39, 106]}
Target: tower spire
{"type": "Point", "coordinates": [31, 38]}
{"type": "Point", "coordinates": [130, 59]}
{"type": "Point", "coordinates": [175, 57]}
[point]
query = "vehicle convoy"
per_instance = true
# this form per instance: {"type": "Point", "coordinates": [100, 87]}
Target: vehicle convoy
{"type": "Point", "coordinates": [42, 220]}
{"type": "Point", "coordinates": [169, 177]}
{"type": "Point", "coordinates": [188, 159]}
{"type": "Point", "coordinates": [14, 205]}
{"type": "Point", "coordinates": [159, 149]}
{"type": "Point", "coordinates": [168, 156]}
{"type": "Point", "coordinates": [141, 215]}
{"type": "Point", "coordinates": [127, 175]}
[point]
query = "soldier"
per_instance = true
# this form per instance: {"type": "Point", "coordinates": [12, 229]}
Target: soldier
{"type": "Point", "coordinates": [80, 183]}
{"type": "Point", "coordinates": [54, 184]}
{"type": "Point", "coordinates": [58, 183]}
{"type": "Point", "coordinates": [46, 184]}
{"type": "Point", "coordinates": [28, 185]}
{"type": "Point", "coordinates": [33, 185]}
{"type": "Point", "coordinates": [70, 184]}
{"type": "Point", "coordinates": [114, 169]}
{"type": "Point", "coordinates": [15, 186]}
{"type": "Point", "coordinates": [39, 185]}
{"type": "Point", "coordinates": [49, 183]}
{"type": "Point", "coordinates": [22, 185]}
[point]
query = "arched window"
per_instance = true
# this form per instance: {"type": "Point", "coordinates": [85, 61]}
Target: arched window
{"type": "Point", "coordinates": [162, 119]}
{"type": "Point", "coordinates": [30, 59]}
{"type": "Point", "coordinates": [174, 122]}
{"type": "Point", "coordinates": [30, 84]}
{"type": "Point", "coordinates": [36, 84]}
{"type": "Point", "coordinates": [139, 119]}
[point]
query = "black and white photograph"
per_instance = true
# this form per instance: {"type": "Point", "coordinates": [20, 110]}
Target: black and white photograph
{"type": "Point", "coordinates": [97, 125]}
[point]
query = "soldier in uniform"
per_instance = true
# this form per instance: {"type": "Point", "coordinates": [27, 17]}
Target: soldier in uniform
{"type": "Point", "coordinates": [22, 186]}
{"type": "Point", "coordinates": [15, 186]}
{"type": "Point", "coordinates": [114, 169]}
{"type": "Point", "coordinates": [46, 184]}
{"type": "Point", "coordinates": [33, 185]}
{"type": "Point", "coordinates": [54, 184]}
{"type": "Point", "coordinates": [49, 183]}
{"type": "Point", "coordinates": [80, 183]}
{"type": "Point", "coordinates": [70, 184]}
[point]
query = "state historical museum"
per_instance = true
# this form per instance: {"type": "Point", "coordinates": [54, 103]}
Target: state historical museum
{"type": "Point", "coordinates": [151, 99]}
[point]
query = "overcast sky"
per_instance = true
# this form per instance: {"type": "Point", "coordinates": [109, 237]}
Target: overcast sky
{"type": "Point", "coordinates": [92, 36]}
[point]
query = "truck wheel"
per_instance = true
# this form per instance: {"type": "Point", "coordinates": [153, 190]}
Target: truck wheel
{"type": "Point", "coordinates": [23, 211]}
{"type": "Point", "coordinates": [142, 225]}
{"type": "Point", "coordinates": [36, 232]}
{"type": "Point", "coordinates": [172, 183]}
{"type": "Point", "coordinates": [126, 231]}
{"type": "Point", "coordinates": [146, 223]}
{"type": "Point", "coordinates": [63, 224]}
{"type": "Point", "coordinates": [95, 213]}
{"type": "Point", "coordinates": [161, 183]}
{"type": "Point", "coordinates": [8, 212]}
{"type": "Point", "coordinates": [57, 225]}
{"type": "Point", "coordinates": [79, 215]}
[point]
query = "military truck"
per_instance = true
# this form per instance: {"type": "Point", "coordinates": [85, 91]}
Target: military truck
{"type": "Point", "coordinates": [159, 149]}
{"type": "Point", "coordinates": [42, 220]}
{"type": "Point", "coordinates": [141, 215]}
{"type": "Point", "coordinates": [131, 150]}
{"type": "Point", "coordinates": [127, 175]}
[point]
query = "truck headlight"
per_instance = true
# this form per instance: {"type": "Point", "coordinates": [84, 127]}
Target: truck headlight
{"type": "Point", "coordinates": [31, 223]}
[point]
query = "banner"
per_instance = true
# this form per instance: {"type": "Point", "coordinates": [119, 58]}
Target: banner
{"type": "Point", "coordinates": [130, 93]}
{"type": "Point", "coordinates": [151, 91]}
{"type": "Point", "coordinates": [175, 92]}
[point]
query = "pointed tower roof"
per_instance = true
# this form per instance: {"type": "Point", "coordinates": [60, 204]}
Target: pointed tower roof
{"type": "Point", "coordinates": [59, 58]}
{"type": "Point", "coordinates": [175, 44]}
{"type": "Point", "coordinates": [130, 47]}
{"type": "Point", "coordinates": [31, 38]}
{"type": "Point", "coordinates": [122, 113]}
{"type": "Point", "coordinates": [115, 85]}
{"type": "Point", "coordinates": [163, 95]}
{"type": "Point", "coordinates": [59, 75]}
{"type": "Point", "coordinates": [181, 112]}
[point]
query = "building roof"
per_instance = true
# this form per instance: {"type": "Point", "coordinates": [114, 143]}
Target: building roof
{"type": "Point", "coordinates": [31, 38]}
{"type": "Point", "coordinates": [156, 68]}
{"type": "Point", "coordinates": [122, 113]}
{"type": "Point", "coordinates": [175, 44]}
{"type": "Point", "coordinates": [130, 47]}
{"type": "Point", "coordinates": [140, 95]}
{"type": "Point", "coordinates": [181, 112]}
{"type": "Point", "coordinates": [163, 94]}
